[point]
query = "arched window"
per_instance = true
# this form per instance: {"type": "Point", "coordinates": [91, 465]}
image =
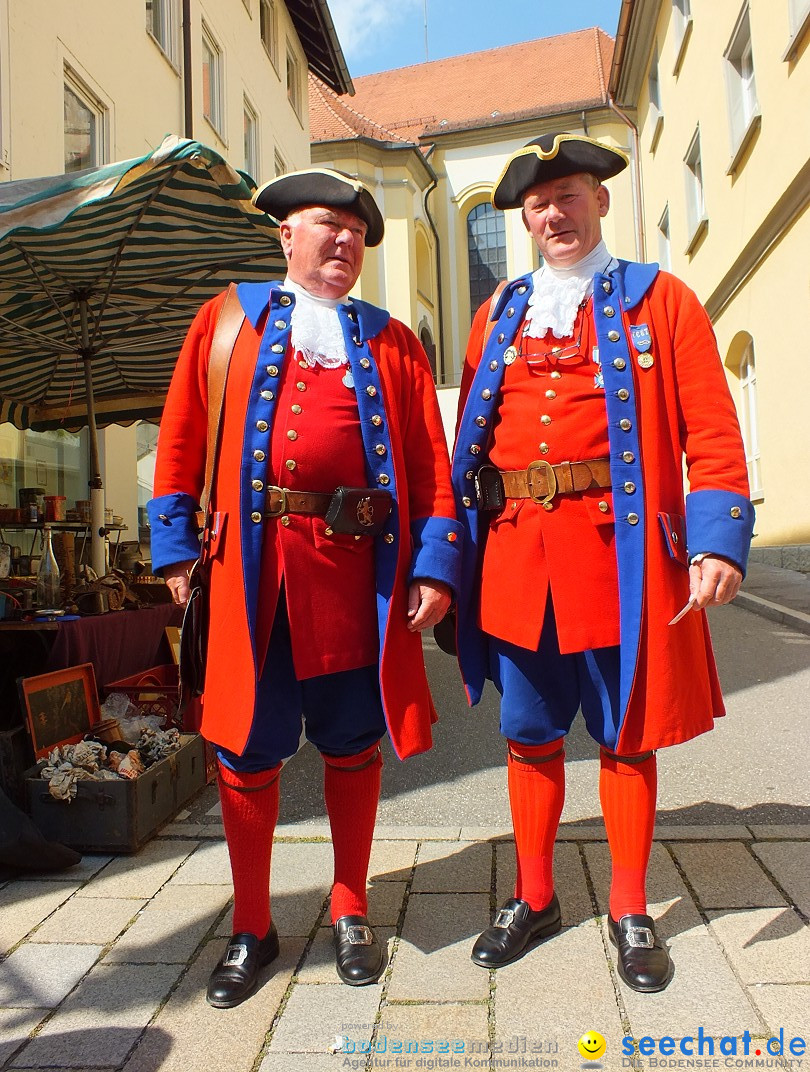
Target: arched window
{"type": "Point", "coordinates": [749, 419]}
{"type": "Point", "coordinates": [486, 252]}
{"type": "Point", "coordinates": [429, 346]}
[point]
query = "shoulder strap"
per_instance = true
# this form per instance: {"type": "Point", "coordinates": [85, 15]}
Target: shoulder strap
{"type": "Point", "coordinates": [230, 320]}
{"type": "Point", "coordinates": [490, 324]}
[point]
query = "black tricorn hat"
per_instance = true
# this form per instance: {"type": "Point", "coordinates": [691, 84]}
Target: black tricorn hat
{"type": "Point", "coordinates": [553, 156]}
{"type": "Point", "coordinates": [321, 186]}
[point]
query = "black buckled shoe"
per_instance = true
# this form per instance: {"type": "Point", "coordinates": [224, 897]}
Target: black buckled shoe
{"type": "Point", "coordinates": [644, 962]}
{"type": "Point", "coordinates": [515, 928]}
{"type": "Point", "coordinates": [237, 973]}
{"type": "Point", "coordinates": [358, 956]}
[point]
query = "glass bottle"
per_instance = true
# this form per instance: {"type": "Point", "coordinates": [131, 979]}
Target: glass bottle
{"type": "Point", "coordinates": [49, 592]}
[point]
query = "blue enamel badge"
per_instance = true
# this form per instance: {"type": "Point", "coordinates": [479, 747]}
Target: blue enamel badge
{"type": "Point", "coordinates": [642, 340]}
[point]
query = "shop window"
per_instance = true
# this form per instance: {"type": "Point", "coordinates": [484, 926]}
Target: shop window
{"type": "Point", "coordinates": [486, 253]}
{"type": "Point", "coordinates": [743, 107]}
{"type": "Point", "coordinates": [213, 81]}
{"type": "Point", "coordinates": [163, 23]}
{"type": "Point", "coordinates": [251, 132]}
{"type": "Point", "coordinates": [84, 126]}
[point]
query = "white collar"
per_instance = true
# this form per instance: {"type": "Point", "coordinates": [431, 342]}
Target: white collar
{"type": "Point", "coordinates": [315, 328]}
{"type": "Point", "coordinates": [559, 292]}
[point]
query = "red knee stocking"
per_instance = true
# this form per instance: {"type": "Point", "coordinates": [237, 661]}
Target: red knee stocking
{"type": "Point", "coordinates": [249, 815]}
{"type": "Point", "coordinates": [351, 789]}
{"type": "Point", "coordinates": [627, 791]}
{"type": "Point", "coordinates": [536, 778]}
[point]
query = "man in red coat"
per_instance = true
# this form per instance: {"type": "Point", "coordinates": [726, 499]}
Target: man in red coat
{"type": "Point", "coordinates": [585, 385]}
{"type": "Point", "coordinates": [330, 416]}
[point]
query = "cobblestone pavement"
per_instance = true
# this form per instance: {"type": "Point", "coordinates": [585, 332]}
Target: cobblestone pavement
{"type": "Point", "coordinates": [105, 965]}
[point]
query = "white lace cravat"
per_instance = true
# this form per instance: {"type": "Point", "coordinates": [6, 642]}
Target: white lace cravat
{"type": "Point", "coordinates": [315, 327]}
{"type": "Point", "coordinates": [559, 292]}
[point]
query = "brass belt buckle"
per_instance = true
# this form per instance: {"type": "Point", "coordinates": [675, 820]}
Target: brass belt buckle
{"type": "Point", "coordinates": [283, 506]}
{"type": "Point", "coordinates": [551, 481]}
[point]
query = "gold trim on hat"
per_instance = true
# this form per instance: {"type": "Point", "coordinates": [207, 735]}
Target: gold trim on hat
{"type": "Point", "coordinates": [542, 154]}
{"type": "Point", "coordinates": [355, 184]}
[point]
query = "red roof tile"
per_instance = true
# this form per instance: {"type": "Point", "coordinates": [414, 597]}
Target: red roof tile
{"type": "Point", "coordinates": [543, 77]}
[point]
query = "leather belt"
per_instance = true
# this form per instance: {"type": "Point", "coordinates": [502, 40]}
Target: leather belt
{"type": "Point", "coordinates": [280, 501]}
{"type": "Point", "coordinates": [541, 481]}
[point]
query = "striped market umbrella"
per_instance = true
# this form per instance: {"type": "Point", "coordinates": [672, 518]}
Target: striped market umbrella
{"type": "Point", "coordinates": [101, 273]}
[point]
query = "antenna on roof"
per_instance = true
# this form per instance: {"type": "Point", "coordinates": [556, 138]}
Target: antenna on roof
{"type": "Point", "coordinates": [426, 31]}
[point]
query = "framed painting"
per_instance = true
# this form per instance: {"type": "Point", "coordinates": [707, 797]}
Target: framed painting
{"type": "Point", "coordinates": [60, 707]}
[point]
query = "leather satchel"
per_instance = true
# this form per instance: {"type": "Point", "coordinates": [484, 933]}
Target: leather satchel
{"type": "Point", "coordinates": [194, 630]}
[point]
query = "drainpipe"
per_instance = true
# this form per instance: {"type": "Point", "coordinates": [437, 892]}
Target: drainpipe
{"type": "Point", "coordinates": [439, 294]}
{"type": "Point", "coordinates": [641, 245]}
{"type": "Point", "coordinates": [187, 75]}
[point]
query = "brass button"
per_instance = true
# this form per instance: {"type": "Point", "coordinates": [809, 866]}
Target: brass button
{"type": "Point", "coordinates": [383, 479]}
{"type": "Point", "coordinates": [285, 521]}
{"type": "Point", "coordinates": [301, 385]}
{"type": "Point", "coordinates": [609, 311]}
{"type": "Point", "coordinates": [620, 363]}
{"type": "Point", "coordinates": [510, 312]}
{"type": "Point", "coordinates": [262, 426]}
{"type": "Point", "coordinates": [357, 341]}
{"type": "Point", "coordinates": [290, 464]}
{"type": "Point", "coordinates": [277, 348]}
{"type": "Point", "coordinates": [606, 287]}
{"type": "Point", "coordinates": [268, 396]}
{"type": "Point", "coordinates": [475, 449]}
{"type": "Point", "coordinates": [376, 420]}
{"type": "Point", "coordinates": [613, 335]}
{"type": "Point", "coordinates": [280, 324]}
{"type": "Point", "coordinates": [544, 448]}
{"type": "Point", "coordinates": [556, 375]}
{"type": "Point", "coordinates": [522, 290]}
{"type": "Point", "coordinates": [603, 506]}
{"type": "Point", "coordinates": [285, 299]}
{"type": "Point", "coordinates": [470, 474]}
{"type": "Point", "coordinates": [258, 455]}
{"type": "Point", "coordinates": [510, 355]}
{"type": "Point", "coordinates": [452, 537]}
{"type": "Point", "coordinates": [551, 394]}
{"type": "Point", "coordinates": [625, 424]}
{"type": "Point", "coordinates": [371, 390]}
{"type": "Point", "coordinates": [501, 337]}
{"type": "Point", "coordinates": [365, 363]}
{"type": "Point", "coordinates": [466, 501]}
{"type": "Point", "coordinates": [380, 449]}
{"type": "Point", "coordinates": [628, 456]}
{"type": "Point", "coordinates": [389, 537]}
{"type": "Point", "coordinates": [545, 419]}
{"type": "Point", "coordinates": [735, 512]}
{"type": "Point", "coordinates": [351, 315]}
{"type": "Point", "coordinates": [296, 409]}
{"type": "Point", "coordinates": [624, 394]}
{"type": "Point", "coordinates": [303, 363]}
{"type": "Point", "coordinates": [292, 434]}
{"type": "Point", "coordinates": [256, 517]}
{"type": "Point", "coordinates": [272, 370]}
{"type": "Point", "coordinates": [548, 506]}
{"type": "Point", "coordinates": [257, 485]}
{"type": "Point", "coordinates": [163, 517]}
{"type": "Point", "coordinates": [328, 531]}
{"type": "Point", "coordinates": [632, 519]}
{"type": "Point", "coordinates": [481, 422]}
{"type": "Point", "coordinates": [629, 487]}
{"type": "Point", "coordinates": [486, 394]}
{"type": "Point", "coordinates": [493, 366]}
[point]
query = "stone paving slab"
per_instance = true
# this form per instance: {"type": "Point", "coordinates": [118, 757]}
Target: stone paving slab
{"type": "Point", "coordinates": [765, 945]}
{"type": "Point", "coordinates": [434, 951]}
{"type": "Point", "coordinates": [718, 832]}
{"type": "Point", "coordinates": [392, 861]}
{"type": "Point", "coordinates": [442, 1024]}
{"type": "Point", "coordinates": [569, 882]}
{"type": "Point", "coordinates": [204, 1039]}
{"type": "Point", "coordinates": [726, 876]}
{"type": "Point", "coordinates": [789, 863]}
{"type": "Point", "coordinates": [123, 998]}
{"type": "Point", "coordinates": [385, 903]}
{"type": "Point", "coordinates": [171, 927]}
{"type": "Point", "coordinates": [319, 967]}
{"type": "Point", "coordinates": [15, 1027]}
{"type": "Point", "coordinates": [24, 905]}
{"type": "Point", "coordinates": [40, 976]}
{"type": "Point", "coordinates": [460, 867]}
{"type": "Point", "coordinates": [209, 864]}
{"type": "Point", "coordinates": [783, 1006]}
{"type": "Point", "coordinates": [140, 875]}
{"type": "Point", "coordinates": [89, 865]}
{"type": "Point", "coordinates": [314, 1015]}
{"type": "Point", "coordinates": [788, 831]}
{"type": "Point", "coordinates": [302, 1062]}
{"type": "Point", "coordinates": [79, 921]}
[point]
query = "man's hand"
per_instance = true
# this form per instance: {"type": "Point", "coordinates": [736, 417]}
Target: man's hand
{"type": "Point", "coordinates": [713, 581]}
{"type": "Point", "coordinates": [176, 577]}
{"type": "Point", "coordinates": [427, 604]}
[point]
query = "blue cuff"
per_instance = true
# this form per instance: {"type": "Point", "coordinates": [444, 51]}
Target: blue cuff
{"type": "Point", "coordinates": [174, 534]}
{"type": "Point", "coordinates": [719, 523]}
{"type": "Point", "coordinates": [437, 550]}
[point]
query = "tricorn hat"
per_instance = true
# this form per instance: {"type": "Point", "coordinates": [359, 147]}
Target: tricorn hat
{"type": "Point", "coordinates": [321, 186]}
{"type": "Point", "coordinates": [553, 156]}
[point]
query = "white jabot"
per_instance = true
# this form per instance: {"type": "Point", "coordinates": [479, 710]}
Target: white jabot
{"type": "Point", "coordinates": [315, 327]}
{"type": "Point", "coordinates": [559, 292]}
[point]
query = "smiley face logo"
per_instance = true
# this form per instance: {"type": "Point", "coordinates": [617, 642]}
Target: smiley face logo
{"type": "Point", "coordinates": [592, 1046]}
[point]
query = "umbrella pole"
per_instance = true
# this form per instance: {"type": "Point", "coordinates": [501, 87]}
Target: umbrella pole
{"type": "Point", "coordinates": [98, 532]}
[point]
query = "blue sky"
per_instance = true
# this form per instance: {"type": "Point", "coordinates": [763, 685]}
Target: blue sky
{"type": "Point", "coordinates": [377, 35]}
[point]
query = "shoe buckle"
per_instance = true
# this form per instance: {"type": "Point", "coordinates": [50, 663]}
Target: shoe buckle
{"type": "Point", "coordinates": [640, 938]}
{"type": "Point", "coordinates": [235, 955]}
{"type": "Point", "coordinates": [505, 918]}
{"type": "Point", "coordinates": [359, 935]}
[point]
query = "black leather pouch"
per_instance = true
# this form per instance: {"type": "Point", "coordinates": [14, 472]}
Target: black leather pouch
{"type": "Point", "coordinates": [489, 489]}
{"type": "Point", "coordinates": [358, 511]}
{"type": "Point", "coordinates": [194, 636]}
